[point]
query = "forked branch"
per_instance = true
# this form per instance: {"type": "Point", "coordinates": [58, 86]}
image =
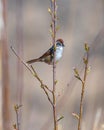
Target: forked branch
{"type": "Point", "coordinates": [34, 73]}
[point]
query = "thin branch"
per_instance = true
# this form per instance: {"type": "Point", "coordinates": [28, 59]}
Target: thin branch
{"type": "Point", "coordinates": [47, 95]}
{"type": "Point", "coordinates": [19, 44]}
{"type": "Point", "coordinates": [43, 86]}
{"type": "Point", "coordinates": [54, 65]}
{"type": "Point", "coordinates": [83, 89]}
{"type": "Point", "coordinates": [34, 73]}
{"type": "Point", "coordinates": [24, 63]}
{"type": "Point", "coordinates": [41, 82]}
{"type": "Point", "coordinates": [17, 125]}
{"type": "Point", "coordinates": [17, 118]}
{"type": "Point", "coordinates": [5, 87]}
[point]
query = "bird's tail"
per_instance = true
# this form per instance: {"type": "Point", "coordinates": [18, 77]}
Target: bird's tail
{"type": "Point", "coordinates": [33, 60]}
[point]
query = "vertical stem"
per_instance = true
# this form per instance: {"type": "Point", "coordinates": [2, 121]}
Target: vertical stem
{"type": "Point", "coordinates": [82, 94]}
{"type": "Point", "coordinates": [5, 74]}
{"type": "Point", "coordinates": [54, 66]}
{"type": "Point", "coordinates": [19, 42]}
{"type": "Point", "coordinates": [17, 118]}
{"type": "Point", "coordinates": [81, 107]}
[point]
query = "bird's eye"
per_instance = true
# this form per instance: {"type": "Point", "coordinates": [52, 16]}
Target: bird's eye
{"type": "Point", "coordinates": [58, 44]}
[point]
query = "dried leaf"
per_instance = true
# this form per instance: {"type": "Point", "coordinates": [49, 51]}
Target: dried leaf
{"type": "Point", "coordinates": [16, 107]}
{"type": "Point", "coordinates": [78, 78]}
{"type": "Point", "coordinates": [50, 30]}
{"type": "Point", "coordinates": [56, 82]}
{"type": "Point", "coordinates": [50, 11]}
{"type": "Point", "coordinates": [75, 115]}
{"type": "Point", "coordinates": [85, 60]}
{"type": "Point", "coordinates": [86, 47]}
{"type": "Point", "coordinates": [14, 126]}
{"type": "Point", "coordinates": [88, 69]}
{"type": "Point", "coordinates": [52, 35]}
{"type": "Point", "coordinates": [60, 118]}
{"type": "Point", "coordinates": [51, 25]}
{"type": "Point", "coordinates": [57, 28]}
{"type": "Point", "coordinates": [76, 72]}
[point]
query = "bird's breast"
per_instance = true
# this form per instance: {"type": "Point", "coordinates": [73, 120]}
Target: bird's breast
{"type": "Point", "coordinates": [59, 51]}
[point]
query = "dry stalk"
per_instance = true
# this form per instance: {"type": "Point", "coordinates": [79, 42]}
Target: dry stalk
{"type": "Point", "coordinates": [83, 90]}
{"type": "Point", "coordinates": [53, 13]}
{"type": "Point", "coordinates": [83, 81]}
{"type": "Point", "coordinates": [6, 116]}
{"type": "Point", "coordinates": [33, 72]}
{"type": "Point", "coordinates": [17, 125]}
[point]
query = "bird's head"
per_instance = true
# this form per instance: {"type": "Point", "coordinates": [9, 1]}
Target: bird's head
{"type": "Point", "coordinates": [60, 42]}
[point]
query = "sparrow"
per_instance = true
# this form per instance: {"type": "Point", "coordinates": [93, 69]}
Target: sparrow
{"type": "Point", "coordinates": [48, 56]}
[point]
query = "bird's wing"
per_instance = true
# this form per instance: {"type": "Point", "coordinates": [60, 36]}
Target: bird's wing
{"type": "Point", "coordinates": [48, 53]}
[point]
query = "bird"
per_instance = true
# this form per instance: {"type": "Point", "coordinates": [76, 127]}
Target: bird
{"type": "Point", "coordinates": [48, 56]}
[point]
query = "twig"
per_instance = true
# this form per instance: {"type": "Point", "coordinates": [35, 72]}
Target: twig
{"type": "Point", "coordinates": [41, 82]}
{"type": "Point", "coordinates": [83, 87]}
{"type": "Point", "coordinates": [25, 64]}
{"type": "Point", "coordinates": [43, 86]}
{"type": "Point", "coordinates": [33, 72]}
{"type": "Point", "coordinates": [19, 43]}
{"type": "Point", "coordinates": [17, 125]}
{"type": "Point", "coordinates": [53, 27]}
{"type": "Point", "coordinates": [17, 118]}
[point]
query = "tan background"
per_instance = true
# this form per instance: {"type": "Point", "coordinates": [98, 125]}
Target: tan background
{"type": "Point", "coordinates": [80, 21]}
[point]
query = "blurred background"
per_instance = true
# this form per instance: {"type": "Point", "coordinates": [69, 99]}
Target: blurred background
{"type": "Point", "coordinates": [28, 24]}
